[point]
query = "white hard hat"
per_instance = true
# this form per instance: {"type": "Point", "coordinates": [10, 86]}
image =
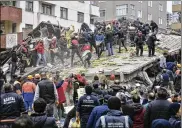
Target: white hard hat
{"type": "Point", "coordinates": [101, 70]}
{"type": "Point", "coordinates": [137, 85]}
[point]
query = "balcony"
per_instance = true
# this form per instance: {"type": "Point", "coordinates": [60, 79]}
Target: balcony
{"type": "Point", "coordinates": [3, 39]}
{"type": "Point", "coordinates": [176, 26]}
{"type": "Point", "coordinates": [176, 8]}
{"type": "Point", "coordinates": [11, 13]}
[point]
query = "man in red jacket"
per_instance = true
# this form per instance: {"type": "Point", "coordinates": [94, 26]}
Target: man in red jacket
{"type": "Point", "coordinates": [40, 52]}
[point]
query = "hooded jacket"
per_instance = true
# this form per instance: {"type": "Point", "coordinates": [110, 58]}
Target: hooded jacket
{"type": "Point", "coordinates": [42, 121]}
{"type": "Point", "coordinates": [138, 116]}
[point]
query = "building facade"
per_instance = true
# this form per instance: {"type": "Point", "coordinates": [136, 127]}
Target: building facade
{"type": "Point", "coordinates": [176, 16]}
{"type": "Point", "coordinates": [169, 20]}
{"type": "Point", "coordinates": [144, 10]}
{"type": "Point", "coordinates": [67, 13]}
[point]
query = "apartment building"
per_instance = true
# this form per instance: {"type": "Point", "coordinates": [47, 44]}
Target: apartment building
{"type": "Point", "coordinates": [21, 15]}
{"type": "Point", "coordinates": [144, 10]}
{"type": "Point", "coordinates": [176, 16]}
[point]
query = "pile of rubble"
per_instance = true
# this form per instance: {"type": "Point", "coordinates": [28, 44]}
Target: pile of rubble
{"type": "Point", "coordinates": [169, 42]}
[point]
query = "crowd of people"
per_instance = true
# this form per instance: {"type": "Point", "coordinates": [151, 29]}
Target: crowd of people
{"type": "Point", "coordinates": [65, 43]}
{"type": "Point", "coordinates": [39, 101]}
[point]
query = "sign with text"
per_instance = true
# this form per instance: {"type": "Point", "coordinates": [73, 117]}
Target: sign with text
{"type": "Point", "coordinates": [11, 40]}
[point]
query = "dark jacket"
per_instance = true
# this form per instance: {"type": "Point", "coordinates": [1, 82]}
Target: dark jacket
{"type": "Point", "coordinates": [109, 36]}
{"type": "Point", "coordinates": [97, 112]}
{"type": "Point", "coordinates": [177, 83]}
{"type": "Point", "coordinates": [153, 26]}
{"type": "Point", "coordinates": [36, 81]}
{"type": "Point", "coordinates": [138, 41]}
{"type": "Point", "coordinates": [85, 106]}
{"type": "Point", "coordinates": [11, 105]}
{"type": "Point", "coordinates": [114, 118]}
{"type": "Point", "coordinates": [42, 121]}
{"type": "Point", "coordinates": [46, 90]}
{"type": "Point", "coordinates": [175, 122]}
{"type": "Point", "coordinates": [157, 109]}
{"type": "Point", "coordinates": [138, 116]}
{"type": "Point", "coordinates": [151, 40]}
{"type": "Point", "coordinates": [161, 123]}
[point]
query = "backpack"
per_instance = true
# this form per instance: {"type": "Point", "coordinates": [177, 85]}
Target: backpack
{"type": "Point", "coordinates": [103, 121]}
{"type": "Point", "coordinates": [138, 121]}
{"type": "Point", "coordinates": [165, 77]}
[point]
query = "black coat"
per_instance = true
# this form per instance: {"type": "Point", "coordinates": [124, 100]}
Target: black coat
{"type": "Point", "coordinates": [42, 121]}
{"type": "Point", "coordinates": [138, 41]}
{"type": "Point", "coordinates": [46, 90]}
{"type": "Point", "coordinates": [151, 40]}
{"type": "Point", "coordinates": [157, 109]}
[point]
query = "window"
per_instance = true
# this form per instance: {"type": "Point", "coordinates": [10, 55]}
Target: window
{"type": "Point", "coordinates": [91, 20]}
{"type": "Point", "coordinates": [140, 1]}
{"type": "Point", "coordinates": [150, 3]}
{"type": "Point", "coordinates": [160, 20]}
{"type": "Point", "coordinates": [176, 2]}
{"type": "Point", "coordinates": [29, 26]}
{"type": "Point", "coordinates": [80, 17]}
{"type": "Point", "coordinates": [64, 13]}
{"type": "Point", "coordinates": [47, 9]}
{"type": "Point", "coordinates": [140, 14]}
{"type": "Point", "coordinates": [132, 10]}
{"type": "Point", "coordinates": [102, 13]}
{"type": "Point", "coordinates": [160, 7]}
{"type": "Point", "coordinates": [149, 17]}
{"type": "Point", "coordinates": [29, 6]}
{"type": "Point", "coordinates": [121, 10]}
{"type": "Point", "coordinates": [13, 27]}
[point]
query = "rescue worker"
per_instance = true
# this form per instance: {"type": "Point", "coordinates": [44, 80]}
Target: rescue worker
{"type": "Point", "coordinates": [85, 106]}
{"type": "Point", "coordinates": [14, 60]}
{"type": "Point", "coordinates": [69, 32]}
{"type": "Point", "coordinates": [23, 57]}
{"type": "Point", "coordinates": [11, 105]}
{"type": "Point", "coordinates": [75, 49]}
{"type": "Point", "coordinates": [2, 79]}
{"type": "Point", "coordinates": [139, 44]}
{"type": "Point", "coordinates": [54, 51]}
{"type": "Point", "coordinates": [62, 44]}
{"type": "Point", "coordinates": [121, 39]}
{"type": "Point", "coordinates": [114, 117]}
{"type": "Point", "coordinates": [99, 39]}
{"type": "Point", "coordinates": [132, 32]}
{"type": "Point", "coordinates": [28, 90]}
{"type": "Point", "coordinates": [154, 27]}
{"type": "Point", "coordinates": [40, 53]}
{"type": "Point", "coordinates": [151, 44]}
{"type": "Point", "coordinates": [109, 41]}
{"type": "Point", "coordinates": [87, 55]}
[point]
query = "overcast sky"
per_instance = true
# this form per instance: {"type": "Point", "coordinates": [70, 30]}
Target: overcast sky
{"type": "Point", "coordinates": [169, 6]}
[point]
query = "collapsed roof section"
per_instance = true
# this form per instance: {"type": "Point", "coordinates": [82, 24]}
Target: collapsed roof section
{"type": "Point", "coordinates": [171, 43]}
{"type": "Point", "coordinates": [35, 33]}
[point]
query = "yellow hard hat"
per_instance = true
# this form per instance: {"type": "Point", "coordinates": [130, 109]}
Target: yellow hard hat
{"type": "Point", "coordinates": [30, 77]}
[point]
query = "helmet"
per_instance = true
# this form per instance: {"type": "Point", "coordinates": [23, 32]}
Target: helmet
{"type": "Point", "coordinates": [101, 70]}
{"type": "Point", "coordinates": [37, 76]}
{"type": "Point", "coordinates": [178, 65]}
{"type": "Point", "coordinates": [112, 77]}
{"type": "Point", "coordinates": [29, 77]}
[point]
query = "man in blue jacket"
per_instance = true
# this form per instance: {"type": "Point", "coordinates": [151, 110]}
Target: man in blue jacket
{"type": "Point", "coordinates": [99, 39]}
{"type": "Point", "coordinates": [97, 112]}
{"type": "Point", "coordinates": [114, 117]}
{"type": "Point", "coordinates": [85, 106]}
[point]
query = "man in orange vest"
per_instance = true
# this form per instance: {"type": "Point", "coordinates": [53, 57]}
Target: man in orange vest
{"type": "Point", "coordinates": [28, 90]}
